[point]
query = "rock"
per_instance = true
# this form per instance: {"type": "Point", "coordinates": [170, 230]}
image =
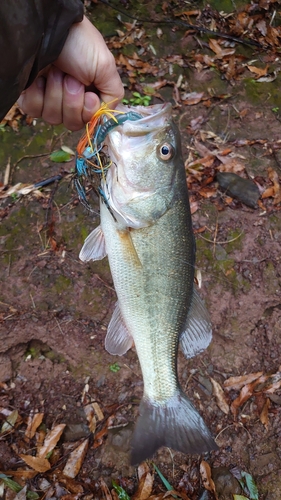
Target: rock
{"type": "Point", "coordinates": [5, 368]}
{"type": "Point", "coordinates": [117, 449]}
{"type": "Point", "coordinates": [244, 190]}
{"type": "Point", "coordinates": [226, 484]}
{"type": "Point", "coordinates": [74, 432]}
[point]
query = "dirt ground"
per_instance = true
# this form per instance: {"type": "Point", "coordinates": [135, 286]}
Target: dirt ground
{"type": "Point", "coordinates": [54, 309]}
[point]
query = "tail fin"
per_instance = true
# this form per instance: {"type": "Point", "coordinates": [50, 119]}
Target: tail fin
{"type": "Point", "coordinates": [175, 424]}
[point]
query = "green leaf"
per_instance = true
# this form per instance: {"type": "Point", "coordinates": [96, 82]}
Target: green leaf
{"type": "Point", "coordinates": [10, 483]}
{"type": "Point", "coordinates": [32, 495]}
{"type": "Point", "coordinates": [60, 156]}
{"type": "Point", "coordinates": [114, 368]}
{"type": "Point", "coordinates": [251, 485]}
{"type": "Point", "coordinates": [166, 483]}
{"type": "Point", "coordinates": [146, 100]}
{"type": "Point", "coordinates": [122, 495]}
{"type": "Point", "coordinates": [240, 497]}
{"type": "Point", "coordinates": [14, 196]}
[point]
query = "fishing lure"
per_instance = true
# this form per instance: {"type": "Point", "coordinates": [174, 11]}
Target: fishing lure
{"type": "Point", "coordinates": [92, 162]}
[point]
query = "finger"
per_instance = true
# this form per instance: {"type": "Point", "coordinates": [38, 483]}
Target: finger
{"type": "Point", "coordinates": [73, 103]}
{"type": "Point", "coordinates": [107, 80]}
{"type": "Point", "coordinates": [52, 109]}
{"type": "Point", "coordinates": [31, 101]}
{"type": "Point", "coordinates": [91, 105]}
{"type": "Point", "coordinates": [86, 57]}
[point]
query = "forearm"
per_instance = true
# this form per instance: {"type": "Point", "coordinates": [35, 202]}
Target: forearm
{"type": "Point", "coordinates": [32, 35]}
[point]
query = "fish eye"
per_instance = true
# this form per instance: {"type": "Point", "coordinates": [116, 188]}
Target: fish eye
{"type": "Point", "coordinates": [165, 151]}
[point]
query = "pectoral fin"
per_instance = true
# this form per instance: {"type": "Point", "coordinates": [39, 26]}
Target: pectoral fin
{"type": "Point", "coordinates": [197, 333]}
{"type": "Point", "coordinates": [118, 339]}
{"type": "Point", "coordinates": [94, 246]}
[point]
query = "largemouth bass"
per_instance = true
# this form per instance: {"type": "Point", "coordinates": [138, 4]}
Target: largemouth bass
{"type": "Point", "coordinates": [146, 231]}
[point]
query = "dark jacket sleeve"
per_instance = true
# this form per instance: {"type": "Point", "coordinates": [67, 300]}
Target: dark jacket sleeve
{"type": "Point", "coordinates": [32, 35]}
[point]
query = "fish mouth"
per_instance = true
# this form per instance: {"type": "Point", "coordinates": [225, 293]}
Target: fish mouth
{"type": "Point", "coordinates": [153, 117]}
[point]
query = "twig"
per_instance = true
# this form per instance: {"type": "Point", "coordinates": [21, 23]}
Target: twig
{"type": "Point", "coordinates": [29, 156]}
{"type": "Point", "coordinates": [32, 300]}
{"type": "Point", "coordinates": [173, 462]}
{"type": "Point", "coordinates": [223, 242]}
{"type": "Point", "coordinates": [24, 158]}
{"type": "Point", "coordinates": [7, 172]}
{"type": "Point", "coordinates": [215, 237]}
{"type": "Point", "coordinates": [59, 326]}
{"type": "Point", "coordinates": [9, 265]}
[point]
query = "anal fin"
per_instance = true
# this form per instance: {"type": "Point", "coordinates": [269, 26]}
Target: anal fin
{"type": "Point", "coordinates": [118, 339]}
{"type": "Point", "coordinates": [197, 333]}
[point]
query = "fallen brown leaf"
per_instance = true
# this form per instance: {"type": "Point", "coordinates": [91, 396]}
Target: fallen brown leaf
{"type": "Point", "coordinates": [220, 397]}
{"type": "Point", "coordinates": [237, 383]}
{"type": "Point", "coordinates": [206, 476]}
{"type": "Point", "coordinates": [114, 495]}
{"type": "Point", "coordinates": [142, 470]}
{"type": "Point", "coordinates": [258, 71]}
{"type": "Point", "coordinates": [192, 98]}
{"type": "Point", "coordinates": [70, 484]}
{"type": "Point", "coordinates": [99, 413]}
{"type": "Point", "coordinates": [37, 463]}
{"type": "Point", "coordinates": [75, 461]}
{"type": "Point", "coordinates": [273, 176]}
{"type": "Point", "coordinates": [268, 193]}
{"type": "Point", "coordinates": [103, 432]}
{"type": "Point", "coordinates": [208, 192]}
{"type": "Point", "coordinates": [34, 420]}
{"type": "Point", "coordinates": [22, 473]}
{"type": "Point", "coordinates": [50, 440]}
{"type": "Point", "coordinates": [230, 164]}
{"type": "Point", "coordinates": [269, 384]}
{"type": "Point", "coordinates": [264, 414]}
{"type": "Point", "coordinates": [144, 487]}
{"type": "Point", "coordinates": [90, 415]}
{"type": "Point", "coordinates": [220, 53]}
{"type": "Point", "coordinates": [245, 393]}
{"type": "Point", "coordinates": [105, 490]}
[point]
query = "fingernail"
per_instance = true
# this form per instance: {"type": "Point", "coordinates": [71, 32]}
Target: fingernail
{"type": "Point", "coordinates": [91, 102]}
{"type": "Point", "coordinates": [40, 82]}
{"type": "Point", "coordinates": [72, 85]}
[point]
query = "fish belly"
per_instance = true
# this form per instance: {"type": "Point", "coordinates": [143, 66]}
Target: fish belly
{"type": "Point", "coordinates": [153, 271]}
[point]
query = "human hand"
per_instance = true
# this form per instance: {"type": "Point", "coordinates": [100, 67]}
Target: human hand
{"type": "Point", "coordinates": [62, 93]}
